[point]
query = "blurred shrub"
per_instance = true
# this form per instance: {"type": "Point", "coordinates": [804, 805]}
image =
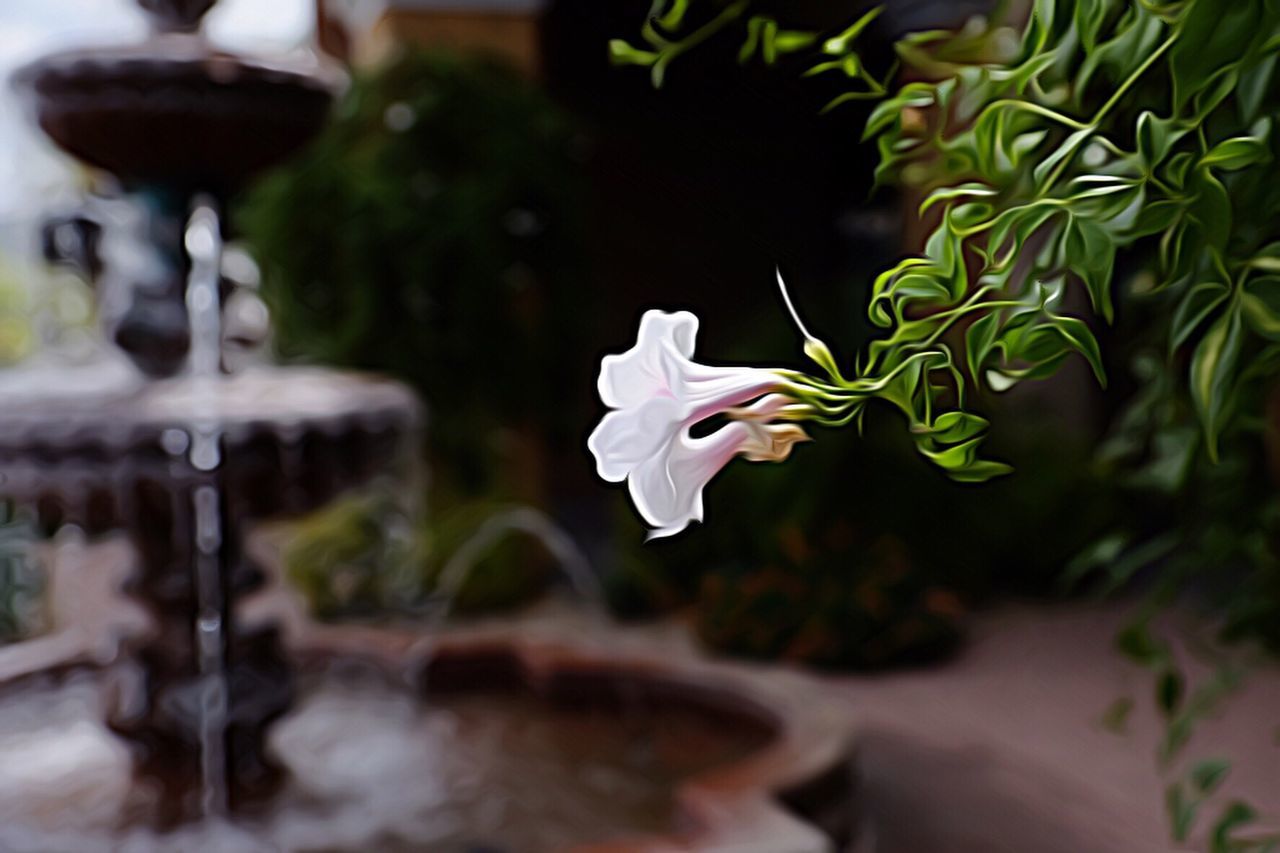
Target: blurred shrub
{"type": "Point", "coordinates": [432, 233]}
{"type": "Point", "coordinates": [354, 557]}
{"type": "Point", "coordinates": [22, 583]}
{"type": "Point", "coordinates": [875, 575]}
{"type": "Point", "coordinates": [15, 320]}
{"type": "Point", "coordinates": [362, 557]}
{"type": "Point", "coordinates": [829, 600]}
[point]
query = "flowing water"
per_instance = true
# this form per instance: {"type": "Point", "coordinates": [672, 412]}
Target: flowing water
{"type": "Point", "coordinates": [204, 246]}
{"type": "Point", "coordinates": [374, 768]}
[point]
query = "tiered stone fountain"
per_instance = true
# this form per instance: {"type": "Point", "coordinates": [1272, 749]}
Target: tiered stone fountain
{"type": "Point", "coordinates": [185, 457]}
{"type": "Point", "coordinates": [184, 460]}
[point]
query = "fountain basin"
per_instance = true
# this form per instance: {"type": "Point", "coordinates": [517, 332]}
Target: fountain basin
{"type": "Point", "coordinates": [554, 731]}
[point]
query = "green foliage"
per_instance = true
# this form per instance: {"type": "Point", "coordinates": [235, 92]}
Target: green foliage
{"type": "Point", "coordinates": [1040, 167]}
{"type": "Point", "coordinates": [21, 579]}
{"type": "Point", "coordinates": [432, 233]}
{"type": "Point", "coordinates": [1123, 150]}
{"type": "Point", "coordinates": [363, 557]}
{"type": "Point", "coordinates": [15, 315]}
{"type": "Point", "coordinates": [354, 557]}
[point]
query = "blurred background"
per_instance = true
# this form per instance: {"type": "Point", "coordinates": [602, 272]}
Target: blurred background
{"type": "Point", "coordinates": [488, 211]}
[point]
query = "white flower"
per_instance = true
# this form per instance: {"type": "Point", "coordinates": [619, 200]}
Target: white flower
{"type": "Point", "coordinates": [657, 393]}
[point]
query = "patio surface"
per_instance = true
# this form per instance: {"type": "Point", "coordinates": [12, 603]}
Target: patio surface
{"type": "Point", "coordinates": [1003, 749]}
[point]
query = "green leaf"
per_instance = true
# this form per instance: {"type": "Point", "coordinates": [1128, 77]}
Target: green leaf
{"type": "Point", "coordinates": [1156, 136]}
{"type": "Point", "coordinates": [1176, 169]}
{"type": "Point", "coordinates": [919, 286]}
{"type": "Point", "coordinates": [979, 339]}
{"type": "Point", "coordinates": [1221, 87]}
{"type": "Point", "coordinates": [1064, 153]}
{"type": "Point", "coordinates": [888, 112]}
{"type": "Point", "coordinates": [1236, 815]}
{"type": "Point", "coordinates": [1209, 773]}
{"type": "Point", "coordinates": [1195, 307]}
{"type": "Point", "coordinates": [1212, 369]}
{"type": "Point", "coordinates": [1081, 339]}
{"type": "Point", "coordinates": [1170, 688]}
{"type": "Point", "coordinates": [1182, 812]}
{"type": "Point", "coordinates": [1137, 643]}
{"type": "Point", "coordinates": [769, 41]}
{"type": "Point", "coordinates": [1121, 570]}
{"type": "Point", "coordinates": [1211, 208]}
{"type": "Point", "coordinates": [1253, 88]}
{"type": "Point", "coordinates": [840, 44]}
{"type": "Point", "coordinates": [621, 53]}
{"type": "Point", "coordinates": [1116, 717]}
{"type": "Point", "coordinates": [1260, 302]}
{"type": "Point", "coordinates": [1089, 18]}
{"type": "Point", "coordinates": [1155, 218]}
{"type": "Point", "coordinates": [674, 16]}
{"type": "Point", "coordinates": [752, 42]}
{"type": "Point", "coordinates": [1266, 260]}
{"type": "Point", "coordinates": [980, 471]}
{"type": "Point", "coordinates": [1238, 153]}
{"type": "Point", "coordinates": [850, 65]}
{"type": "Point", "coordinates": [1211, 35]}
{"type": "Point", "coordinates": [969, 190]}
{"type": "Point", "coordinates": [1090, 253]}
{"type": "Point", "coordinates": [793, 41]}
{"type": "Point", "coordinates": [955, 427]}
{"type": "Point", "coordinates": [1119, 57]}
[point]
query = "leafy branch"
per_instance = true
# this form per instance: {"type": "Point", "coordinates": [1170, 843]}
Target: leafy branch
{"type": "Point", "coordinates": [1032, 195]}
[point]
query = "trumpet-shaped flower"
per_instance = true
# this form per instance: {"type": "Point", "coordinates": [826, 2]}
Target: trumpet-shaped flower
{"type": "Point", "coordinates": [657, 393]}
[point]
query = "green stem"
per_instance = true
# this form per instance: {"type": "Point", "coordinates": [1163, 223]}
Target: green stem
{"type": "Point", "coordinates": [1133, 78]}
{"type": "Point", "coordinates": [1032, 107]}
{"type": "Point", "coordinates": [1111, 103]}
{"type": "Point", "coordinates": [705, 31]}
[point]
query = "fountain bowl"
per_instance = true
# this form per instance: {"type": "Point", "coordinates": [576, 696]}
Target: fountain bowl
{"type": "Point", "coordinates": [175, 112]}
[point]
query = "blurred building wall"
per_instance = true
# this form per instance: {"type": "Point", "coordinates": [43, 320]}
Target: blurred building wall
{"type": "Point", "coordinates": [365, 32]}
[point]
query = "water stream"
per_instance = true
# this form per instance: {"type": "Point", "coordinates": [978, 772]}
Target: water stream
{"type": "Point", "coordinates": [572, 563]}
{"type": "Point", "coordinates": [204, 246]}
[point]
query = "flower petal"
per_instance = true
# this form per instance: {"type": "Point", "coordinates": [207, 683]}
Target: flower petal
{"type": "Point", "coordinates": [707, 390]}
{"type": "Point", "coordinates": [630, 378]}
{"type": "Point", "coordinates": [625, 438]}
{"type": "Point", "coordinates": [667, 489]}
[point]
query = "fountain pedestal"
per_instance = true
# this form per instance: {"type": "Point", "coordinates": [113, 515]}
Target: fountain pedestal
{"type": "Point", "coordinates": [112, 452]}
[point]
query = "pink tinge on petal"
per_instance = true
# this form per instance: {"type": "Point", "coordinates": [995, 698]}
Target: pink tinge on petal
{"type": "Point", "coordinates": [628, 378]}
{"type": "Point", "coordinates": [711, 393]}
{"type": "Point", "coordinates": [765, 408]}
